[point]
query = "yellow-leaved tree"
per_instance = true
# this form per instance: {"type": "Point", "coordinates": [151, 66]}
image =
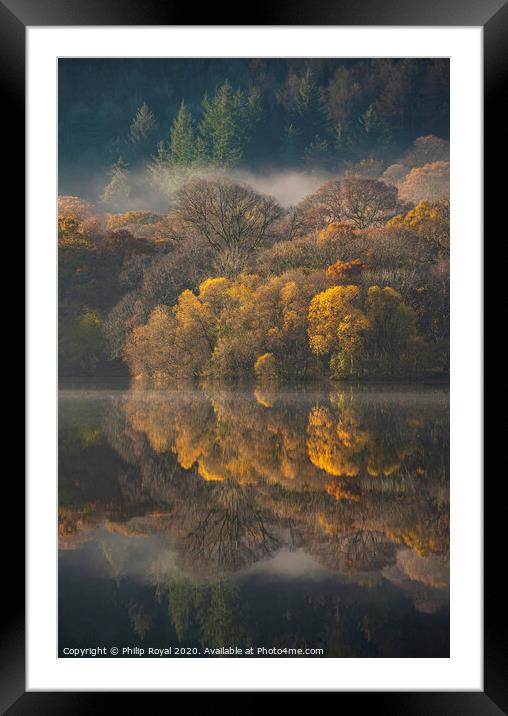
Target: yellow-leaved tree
{"type": "Point", "coordinates": [326, 312]}
{"type": "Point", "coordinates": [363, 333]}
{"type": "Point", "coordinates": [178, 342]}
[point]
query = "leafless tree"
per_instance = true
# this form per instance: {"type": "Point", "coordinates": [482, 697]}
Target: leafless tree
{"type": "Point", "coordinates": [233, 218]}
{"type": "Point", "coordinates": [360, 200]}
{"type": "Point", "coordinates": [318, 210]}
{"type": "Point", "coordinates": [368, 202]}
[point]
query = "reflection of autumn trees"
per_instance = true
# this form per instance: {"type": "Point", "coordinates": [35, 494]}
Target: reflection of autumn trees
{"type": "Point", "coordinates": [356, 551]}
{"type": "Point", "coordinates": [330, 448]}
{"type": "Point", "coordinates": [345, 445]}
{"type": "Point", "coordinates": [229, 477]}
{"type": "Point", "coordinates": [226, 436]}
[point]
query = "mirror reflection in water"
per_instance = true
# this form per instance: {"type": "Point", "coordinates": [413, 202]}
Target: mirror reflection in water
{"type": "Point", "coordinates": [225, 517]}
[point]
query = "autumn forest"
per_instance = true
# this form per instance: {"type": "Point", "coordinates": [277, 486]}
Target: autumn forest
{"type": "Point", "coordinates": [289, 222]}
{"type": "Point", "coordinates": [254, 332]}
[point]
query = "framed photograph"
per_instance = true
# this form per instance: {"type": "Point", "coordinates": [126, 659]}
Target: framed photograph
{"type": "Point", "coordinates": [254, 363]}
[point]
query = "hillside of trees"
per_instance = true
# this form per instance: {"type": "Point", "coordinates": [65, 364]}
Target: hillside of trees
{"type": "Point", "coordinates": [351, 282]}
{"type": "Point", "coordinates": [270, 219]}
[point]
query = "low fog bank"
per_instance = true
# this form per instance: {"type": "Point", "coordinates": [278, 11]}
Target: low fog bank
{"type": "Point", "coordinates": [141, 195]}
{"type": "Point", "coordinates": [421, 174]}
{"type": "Point", "coordinates": [288, 186]}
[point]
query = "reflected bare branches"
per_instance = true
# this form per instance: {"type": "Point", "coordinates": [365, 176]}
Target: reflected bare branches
{"type": "Point", "coordinates": [227, 478]}
{"type": "Point", "coordinates": [231, 535]}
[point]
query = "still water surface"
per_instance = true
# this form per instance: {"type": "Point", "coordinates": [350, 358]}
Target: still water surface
{"type": "Point", "coordinates": [289, 519]}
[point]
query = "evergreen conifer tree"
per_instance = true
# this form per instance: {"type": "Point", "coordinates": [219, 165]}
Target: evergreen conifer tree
{"type": "Point", "coordinates": [118, 188]}
{"type": "Point", "coordinates": [143, 125]}
{"type": "Point", "coordinates": [183, 150]}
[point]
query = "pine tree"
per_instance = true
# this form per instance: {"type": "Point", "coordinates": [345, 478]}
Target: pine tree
{"type": "Point", "coordinates": [118, 189]}
{"type": "Point", "coordinates": [227, 124]}
{"type": "Point", "coordinates": [183, 142]}
{"type": "Point", "coordinates": [218, 127]}
{"type": "Point", "coordinates": [143, 125]}
{"type": "Point", "coordinates": [176, 161]}
{"type": "Point", "coordinates": [304, 105]}
{"type": "Point", "coordinates": [373, 129]}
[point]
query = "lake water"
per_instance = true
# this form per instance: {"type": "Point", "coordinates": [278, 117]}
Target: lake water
{"type": "Point", "coordinates": [254, 518]}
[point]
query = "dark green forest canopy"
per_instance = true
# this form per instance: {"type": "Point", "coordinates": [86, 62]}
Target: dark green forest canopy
{"type": "Point", "coordinates": [306, 113]}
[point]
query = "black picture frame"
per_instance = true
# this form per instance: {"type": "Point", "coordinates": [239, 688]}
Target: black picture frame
{"type": "Point", "coordinates": [492, 15]}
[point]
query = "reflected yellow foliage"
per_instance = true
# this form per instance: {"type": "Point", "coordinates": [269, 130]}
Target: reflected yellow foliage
{"type": "Point", "coordinates": [208, 475]}
{"type": "Point", "coordinates": [327, 526]}
{"type": "Point", "coordinates": [263, 397]}
{"type": "Point", "coordinates": [423, 539]}
{"type": "Point", "coordinates": [129, 528]}
{"type": "Point", "coordinates": [326, 450]}
{"type": "Point", "coordinates": [340, 492]}
{"type": "Point", "coordinates": [228, 474]}
{"type": "Point", "coordinates": [254, 441]}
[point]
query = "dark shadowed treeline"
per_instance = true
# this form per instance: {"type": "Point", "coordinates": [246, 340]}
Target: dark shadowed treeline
{"type": "Point", "coordinates": [132, 117]}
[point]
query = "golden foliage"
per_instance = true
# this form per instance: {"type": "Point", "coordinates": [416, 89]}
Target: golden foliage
{"type": "Point", "coordinates": [265, 368]}
{"type": "Point", "coordinates": [326, 311]}
{"type": "Point", "coordinates": [430, 182]}
{"type": "Point", "coordinates": [345, 271]}
{"type": "Point", "coordinates": [326, 450]}
{"type": "Point", "coordinates": [340, 493]}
